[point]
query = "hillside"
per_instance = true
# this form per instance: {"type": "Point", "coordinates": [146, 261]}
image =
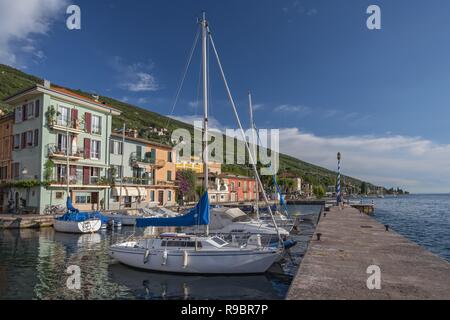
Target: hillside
{"type": "Point", "coordinates": [13, 80]}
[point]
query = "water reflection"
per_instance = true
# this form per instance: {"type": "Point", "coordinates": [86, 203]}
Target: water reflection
{"type": "Point", "coordinates": [148, 285]}
{"type": "Point", "coordinates": [33, 264]}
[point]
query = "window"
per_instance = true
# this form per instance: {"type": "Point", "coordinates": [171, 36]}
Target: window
{"type": "Point", "coordinates": [169, 156]}
{"type": "Point", "coordinates": [4, 172]}
{"type": "Point", "coordinates": [18, 114]}
{"type": "Point", "coordinates": [16, 169]}
{"type": "Point", "coordinates": [169, 195]}
{"type": "Point", "coordinates": [30, 110]}
{"type": "Point", "coordinates": [29, 138]}
{"type": "Point", "coordinates": [232, 186]}
{"type": "Point", "coordinates": [116, 147]}
{"type": "Point", "coordinates": [61, 174]}
{"type": "Point", "coordinates": [95, 174]}
{"type": "Point", "coordinates": [96, 124]}
{"type": "Point", "coordinates": [152, 195]}
{"type": "Point", "coordinates": [245, 185]}
{"type": "Point", "coordinates": [239, 184]}
{"type": "Point", "coordinates": [17, 141]}
{"type": "Point", "coordinates": [83, 197]}
{"type": "Point", "coordinates": [59, 195]}
{"type": "Point", "coordinates": [63, 117]}
{"type": "Point", "coordinates": [61, 140]}
{"type": "Point", "coordinates": [36, 137]}
{"type": "Point", "coordinates": [169, 175]}
{"type": "Point", "coordinates": [95, 149]}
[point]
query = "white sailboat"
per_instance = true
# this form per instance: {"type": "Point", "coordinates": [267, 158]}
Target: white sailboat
{"type": "Point", "coordinates": [182, 253]}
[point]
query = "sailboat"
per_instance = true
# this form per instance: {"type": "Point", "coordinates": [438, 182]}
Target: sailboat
{"type": "Point", "coordinates": [74, 221]}
{"type": "Point", "coordinates": [282, 219]}
{"type": "Point", "coordinates": [206, 254]}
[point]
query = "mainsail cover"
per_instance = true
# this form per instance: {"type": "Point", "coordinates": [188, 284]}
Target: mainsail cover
{"type": "Point", "coordinates": [74, 214]}
{"type": "Point", "coordinates": [199, 215]}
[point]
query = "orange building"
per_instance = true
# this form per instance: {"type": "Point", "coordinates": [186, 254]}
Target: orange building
{"type": "Point", "coordinates": [6, 134]}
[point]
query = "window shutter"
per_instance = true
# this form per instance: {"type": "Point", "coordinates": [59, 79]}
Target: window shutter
{"type": "Point", "coordinates": [74, 116]}
{"type": "Point", "coordinates": [86, 175]}
{"type": "Point", "coordinates": [36, 137]}
{"type": "Point", "coordinates": [18, 118]}
{"type": "Point", "coordinates": [24, 112]}
{"type": "Point", "coordinates": [73, 171]}
{"type": "Point", "coordinates": [36, 108]}
{"type": "Point", "coordinates": [88, 121]}
{"type": "Point", "coordinates": [24, 140]}
{"type": "Point", "coordinates": [87, 148]}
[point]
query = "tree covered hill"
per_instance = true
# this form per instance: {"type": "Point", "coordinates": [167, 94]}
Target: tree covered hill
{"type": "Point", "coordinates": [13, 80]}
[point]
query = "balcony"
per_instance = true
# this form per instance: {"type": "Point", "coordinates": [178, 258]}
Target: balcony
{"type": "Point", "coordinates": [58, 152]}
{"type": "Point", "coordinates": [70, 125]}
{"type": "Point", "coordinates": [135, 181]}
{"type": "Point", "coordinates": [146, 160]}
{"type": "Point", "coordinates": [78, 181]}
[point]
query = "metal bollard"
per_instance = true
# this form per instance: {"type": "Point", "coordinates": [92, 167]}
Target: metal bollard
{"type": "Point", "coordinates": [318, 236]}
{"type": "Point", "coordinates": [324, 213]}
{"type": "Point", "coordinates": [387, 227]}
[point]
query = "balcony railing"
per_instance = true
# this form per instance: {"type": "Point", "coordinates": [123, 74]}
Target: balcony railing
{"type": "Point", "coordinates": [135, 180]}
{"type": "Point", "coordinates": [56, 151]}
{"type": "Point", "coordinates": [136, 159]}
{"type": "Point", "coordinates": [73, 125]}
{"type": "Point", "coordinates": [73, 180]}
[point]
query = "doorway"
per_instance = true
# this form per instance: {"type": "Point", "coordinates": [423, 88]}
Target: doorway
{"type": "Point", "coordinates": [161, 197]}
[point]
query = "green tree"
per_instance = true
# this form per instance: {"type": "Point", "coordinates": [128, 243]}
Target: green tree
{"type": "Point", "coordinates": [363, 187]}
{"type": "Point", "coordinates": [319, 192]}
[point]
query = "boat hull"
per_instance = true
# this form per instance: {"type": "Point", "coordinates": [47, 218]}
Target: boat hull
{"type": "Point", "coordinates": [88, 226]}
{"type": "Point", "coordinates": [197, 262]}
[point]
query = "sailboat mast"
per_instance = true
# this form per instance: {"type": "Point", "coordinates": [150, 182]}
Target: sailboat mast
{"type": "Point", "coordinates": [254, 149]}
{"type": "Point", "coordinates": [205, 104]}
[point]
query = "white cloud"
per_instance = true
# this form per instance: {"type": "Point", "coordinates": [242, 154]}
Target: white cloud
{"type": "Point", "coordinates": [258, 106]}
{"type": "Point", "coordinates": [21, 21]}
{"type": "Point", "coordinates": [292, 108]}
{"type": "Point", "coordinates": [135, 77]}
{"type": "Point", "coordinates": [415, 163]}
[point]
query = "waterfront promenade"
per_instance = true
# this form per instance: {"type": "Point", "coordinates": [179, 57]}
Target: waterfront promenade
{"type": "Point", "coordinates": [336, 266]}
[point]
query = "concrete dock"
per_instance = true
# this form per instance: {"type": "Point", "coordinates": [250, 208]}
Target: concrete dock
{"type": "Point", "coordinates": [13, 221]}
{"type": "Point", "coordinates": [335, 267]}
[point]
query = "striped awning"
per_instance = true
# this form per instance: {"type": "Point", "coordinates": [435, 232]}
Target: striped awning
{"type": "Point", "coordinates": [116, 191]}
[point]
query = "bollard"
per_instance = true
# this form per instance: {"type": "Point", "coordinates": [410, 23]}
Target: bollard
{"type": "Point", "coordinates": [387, 227]}
{"type": "Point", "coordinates": [324, 213]}
{"type": "Point", "coordinates": [318, 236]}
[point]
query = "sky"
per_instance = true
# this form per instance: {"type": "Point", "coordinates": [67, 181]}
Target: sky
{"type": "Point", "coordinates": [316, 72]}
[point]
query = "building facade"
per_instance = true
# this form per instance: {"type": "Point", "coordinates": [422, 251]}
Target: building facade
{"type": "Point", "coordinates": [226, 187]}
{"type": "Point", "coordinates": [6, 131]}
{"type": "Point", "coordinates": [60, 139]}
{"type": "Point", "coordinates": [143, 173]}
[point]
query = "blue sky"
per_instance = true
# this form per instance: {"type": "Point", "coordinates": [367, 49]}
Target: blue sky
{"type": "Point", "coordinates": [316, 72]}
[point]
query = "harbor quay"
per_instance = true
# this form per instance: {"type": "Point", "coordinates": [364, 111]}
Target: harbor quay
{"type": "Point", "coordinates": [352, 256]}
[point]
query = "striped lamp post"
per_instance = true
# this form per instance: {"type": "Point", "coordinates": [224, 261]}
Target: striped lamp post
{"type": "Point", "coordinates": [338, 193]}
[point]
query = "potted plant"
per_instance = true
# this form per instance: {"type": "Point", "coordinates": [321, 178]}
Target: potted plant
{"type": "Point", "coordinates": [51, 115]}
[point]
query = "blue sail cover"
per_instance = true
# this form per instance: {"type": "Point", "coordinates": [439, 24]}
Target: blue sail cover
{"type": "Point", "coordinates": [199, 215]}
{"type": "Point", "coordinates": [74, 214]}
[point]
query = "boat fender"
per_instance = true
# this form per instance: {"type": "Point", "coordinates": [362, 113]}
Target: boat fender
{"type": "Point", "coordinates": [258, 240]}
{"type": "Point", "coordinates": [289, 243]}
{"type": "Point", "coordinates": [185, 259]}
{"type": "Point", "coordinates": [146, 255]}
{"type": "Point", "coordinates": [164, 258]}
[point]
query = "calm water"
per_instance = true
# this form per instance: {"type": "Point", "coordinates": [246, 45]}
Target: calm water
{"type": "Point", "coordinates": [424, 219]}
{"type": "Point", "coordinates": [33, 264]}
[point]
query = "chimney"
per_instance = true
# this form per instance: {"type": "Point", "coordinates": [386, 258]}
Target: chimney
{"type": "Point", "coordinates": [135, 133]}
{"type": "Point", "coordinates": [96, 97]}
{"type": "Point", "coordinates": [47, 83]}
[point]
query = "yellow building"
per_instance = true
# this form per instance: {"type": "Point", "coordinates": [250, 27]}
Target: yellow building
{"type": "Point", "coordinates": [197, 165]}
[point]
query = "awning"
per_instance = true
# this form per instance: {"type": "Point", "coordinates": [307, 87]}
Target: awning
{"type": "Point", "coordinates": [132, 192]}
{"type": "Point", "coordinates": [142, 192]}
{"type": "Point", "coordinates": [116, 192]}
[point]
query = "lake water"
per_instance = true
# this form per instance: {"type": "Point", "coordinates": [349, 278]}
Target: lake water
{"type": "Point", "coordinates": [33, 265]}
{"type": "Point", "coordinates": [33, 262]}
{"type": "Point", "coordinates": [424, 219]}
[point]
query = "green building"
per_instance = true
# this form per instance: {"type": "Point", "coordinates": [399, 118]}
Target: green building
{"type": "Point", "coordinates": [56, 129]}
